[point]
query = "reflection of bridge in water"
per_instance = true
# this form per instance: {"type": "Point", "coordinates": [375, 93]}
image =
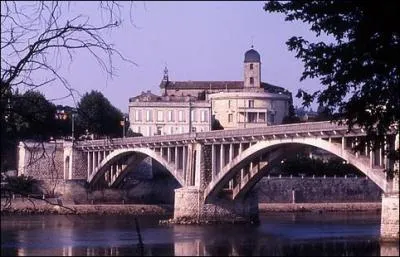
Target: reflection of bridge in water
{"type": "Point", "coordinates": [233, 246]}
{"type": "Point", "coordinates": [111, 236]}
{"type": "Point", "coordinates": [217, 170]}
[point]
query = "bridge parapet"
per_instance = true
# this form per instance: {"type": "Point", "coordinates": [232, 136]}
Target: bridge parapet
{"type": "Point", "coordinates": [153, 141]}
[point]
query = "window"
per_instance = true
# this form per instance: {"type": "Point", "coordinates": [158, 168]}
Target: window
{"type": "Point", "coordinates": [193, 114]}
{"type": "Point", "coordinates": [148, 115]}
{"type": "Point", "coordinates": [251, 103]}
{"type": "Point", "coordinates": [251, 66]}
{"type": "Point", "coordinates": [171, 130]}
{"type": "Point", "coordinates": [138, 115]}
{"type": "Point", "coordinates": [230, 117]}
{"type": "Point", "coordinates": [160, 116]}
{"type": "Point", "coordinates": [138, 129]}
{"type": "Point", "coordinates": [203, 116]}
{"type": "Point", "coordinates": [159, 128]}
{"type": "Point", "coordinates": [180, 115]}
{"type": "Point", "coordinates": [251, 80]}
{"type": "Point", "coordinates": [261, 116]}
{"type": "Point", "coordinates": [229, 103]}
{"type": "Point", "coordinates": [252, 117]}
{"type": "Point", "coordinates": [193, 129]}
{"type": "Point", "coordinates": [149, 131]}
{"type": "Point", "coordinates": [170, 117]}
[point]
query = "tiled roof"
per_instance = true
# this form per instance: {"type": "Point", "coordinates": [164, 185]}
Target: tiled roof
{"type": "Point", "coordinates": [202, 84]}
{"type": "Point", "coordinates": [145, 96]}
{"type": "Point", "coordinates": [272, 88]}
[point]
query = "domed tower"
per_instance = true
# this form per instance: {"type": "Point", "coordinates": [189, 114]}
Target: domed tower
{"type": "Point", "coordinates": [252, 69]}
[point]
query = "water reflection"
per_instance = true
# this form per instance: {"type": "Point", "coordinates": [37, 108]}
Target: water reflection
{"type": "Point", "coordinates": [303, 235]}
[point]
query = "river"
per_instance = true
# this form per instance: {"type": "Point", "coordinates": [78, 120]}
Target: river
{"type": "Point", "coordinates": [302, 234]}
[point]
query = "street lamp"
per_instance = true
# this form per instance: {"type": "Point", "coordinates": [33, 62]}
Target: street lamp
{"type": "Point", "coordinates": [62, 115]}
{"type": "Point", "coordinates": [73, 126]}
{"type": "Point", "coordinates": [123, 122]}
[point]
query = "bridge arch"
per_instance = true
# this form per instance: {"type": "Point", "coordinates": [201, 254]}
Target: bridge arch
{"type": "Point", "coordinates": [116, 154]}
{"type": "Point", "coordinates": [375, 174]}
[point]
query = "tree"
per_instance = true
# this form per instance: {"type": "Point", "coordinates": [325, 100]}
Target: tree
{"type": "Point", "coordinates": [324, 113]}
{"type": "Point", "coordinates": [359, 69]}
{"type": "Point", "coordinates": [37, 39]}
{"type": "Point", "coordinates": [131, 133]}
{"type": "Point", "coordinates": [97, 115]}
{"type": "Point", "coordinates": [215, 124]}
{"type": "Point", "coordinates": [291, 117]}
{"type": "Point", "coordinates": [33, 116]}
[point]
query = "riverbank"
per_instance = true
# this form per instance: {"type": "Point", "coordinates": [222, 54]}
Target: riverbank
{"type": "Point", "coordinates": [87, 209]}
{"type": "Point", "coordinates": [20, 206]}
{"type": "Point", "coordinates": [320, 207]}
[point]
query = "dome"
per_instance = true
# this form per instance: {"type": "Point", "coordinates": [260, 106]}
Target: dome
{"type": "Point", "coordinates": [251, 56]}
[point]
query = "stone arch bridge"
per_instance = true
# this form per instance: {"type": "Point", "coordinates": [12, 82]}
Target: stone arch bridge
{"type": "Point", "coordinates": [217, 169]}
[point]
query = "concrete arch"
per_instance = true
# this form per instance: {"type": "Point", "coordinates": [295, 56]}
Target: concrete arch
{"type": "Point", "coordinates": [362, 163]}
{"type": "Point", "coordinates": [145, 151]}
{"type": "Point", "coordinates": [277, 156]}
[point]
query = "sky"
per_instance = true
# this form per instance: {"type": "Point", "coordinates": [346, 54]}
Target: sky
{"type": "Point", "coordinates": [196, 41]}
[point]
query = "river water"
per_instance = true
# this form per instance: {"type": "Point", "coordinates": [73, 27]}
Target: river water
{"type": "Point", "coordinates": [302, 234]}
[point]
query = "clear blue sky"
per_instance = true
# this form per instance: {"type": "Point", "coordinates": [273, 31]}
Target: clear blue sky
{"type": "Point", "coordinates": [198, 41]}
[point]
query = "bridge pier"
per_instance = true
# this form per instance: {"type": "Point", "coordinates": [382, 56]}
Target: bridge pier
{"type": "Point", "coordinates": [190, 207]}
{"type": "Point", "coordinates": [390, 216]}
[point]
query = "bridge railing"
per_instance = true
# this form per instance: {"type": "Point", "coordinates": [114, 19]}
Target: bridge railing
{"type": "Point", "coordinates": [276, 129]}
{"type": "Point", "coordinates": [243, 132]}
{"type": "Point", "coordinates": [137, 140]}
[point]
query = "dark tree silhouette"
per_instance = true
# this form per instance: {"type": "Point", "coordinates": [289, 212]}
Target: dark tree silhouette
{"type": "Point", "coordinates": [37, 40]}
{"type": "Point", "coordinates": [359, 69]}
{"type": "Point", "coordinates": [97, 115]}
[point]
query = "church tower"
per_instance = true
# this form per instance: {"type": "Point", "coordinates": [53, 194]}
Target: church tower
{"type": "Point", "coordinates": [252, 69]}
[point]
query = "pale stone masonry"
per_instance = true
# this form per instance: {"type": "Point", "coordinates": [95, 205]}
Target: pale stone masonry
{"type": "Point", "coordinates": [390, 217]}
{"type": "Point", "coordinates": [192, 106]}
{"type": "Point", "coordinates": [165, 118]}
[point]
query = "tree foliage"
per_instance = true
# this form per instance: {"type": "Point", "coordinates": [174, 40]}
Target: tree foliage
{"type": "Point", "coordinates": [97, 115]}
{"type": "Point", "coordinates": [131, 133]}
{"type": "Point", "coordinates": [291, 117]}
{"type": "Point", "coordinates": [301, 164]}
{"type": "Point", "coordinates": [38, 40]}
{"type": "Point", "coordinates": [359, 69]}
{"type": "Point", "coordinates": [33, 116]}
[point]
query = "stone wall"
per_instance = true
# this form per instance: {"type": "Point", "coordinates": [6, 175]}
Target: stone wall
{"type": "Point", "coordinates": [159, 188]}
{"type": "Point", "coordinates": [79, 164]}
{"type": "Point", "coordinates": [189, 206]}
{"type": "Point", "coordinates": [390, 217]}
{"type": "Point", "coordinates": [146, 185]}
{"type": "Point", "coordinates": [43, 161]}
{"type": "Point", "coordinates": [222, 209]}
{"type": "Point", "coordinates": [318, 189]}
{"type": "Point", "coordinates": [206, 166]}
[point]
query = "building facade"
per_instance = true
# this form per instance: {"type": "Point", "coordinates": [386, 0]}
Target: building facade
{"type": "Point", "coordinates": [185, 106]}
{"type": "Point", "coordinates": [150, 115]}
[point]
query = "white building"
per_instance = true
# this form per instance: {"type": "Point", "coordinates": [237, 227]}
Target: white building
{"type": "Point", "coordinates": [152, 115]}
{"type": "Point", "coordinates": [194, 105]}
